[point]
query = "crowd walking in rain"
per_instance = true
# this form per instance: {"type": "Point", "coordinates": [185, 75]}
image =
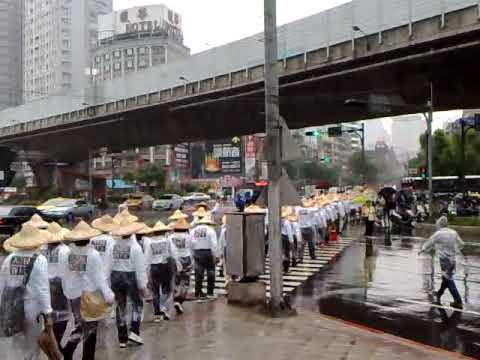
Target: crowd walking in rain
{"type": "Point", "coordinates": [118, 266]}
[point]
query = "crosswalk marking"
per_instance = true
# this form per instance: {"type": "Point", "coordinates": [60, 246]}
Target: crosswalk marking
{"type": "Point", "coordinates": [296, 275]}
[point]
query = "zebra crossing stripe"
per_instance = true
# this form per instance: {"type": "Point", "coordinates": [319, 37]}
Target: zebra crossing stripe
{"type": "Point", "coordinates": [297, 275]}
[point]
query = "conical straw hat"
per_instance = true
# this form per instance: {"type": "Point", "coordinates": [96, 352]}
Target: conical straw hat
{"type": "Point", "coordinates": [286, 211]}
{"type": "Point", "coordinates": [206, 220]}
{"type": "Point", "coordinates": [200, 213]}
{"type": "Point", "coordinates": [9, 248]}
{"type": "Point", "coordinates": [127, 228]}
{"type": "Point", "coordinates": [181, 224]}
{"type": "Point", "coordinates": [202, 204]}
{"type": "Point", "coordinates": [147, 230]}
{"type": "Point", "coordinates": [57, 233]}
{"type": "Point", "coordinates": [160, 226]}
{"type": "Point", "coordinates": [82, 231]}
{"type": "Point", "coordinates": [292, 218]}
{"type": "Point", "coordinates": [125, 215]}
{"type": "Point", "coordinates": [254, 209]}
{"type": "Point", "coordinates": [37, 221]}
{"type": "Point", "coordinates": [28, 238]}
{"type": "Point", "coordinates": [105, 224]}
{"type": "Point", "coordinates": [177, 215]}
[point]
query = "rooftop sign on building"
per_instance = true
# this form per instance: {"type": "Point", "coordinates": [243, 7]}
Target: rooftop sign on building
{"type": "Point", "coordinates": [150, 19]}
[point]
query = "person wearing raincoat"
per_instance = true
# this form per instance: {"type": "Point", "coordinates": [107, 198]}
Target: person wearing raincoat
{"type": "Point", "coordinates": [127, 272]}
{"type": "Point", "coordinates": [56, 253]}
{"type": "Point", "coordinates": [105, 240]}
{"type": "Point", "coordinates": [198, 215]}
{"type": "Point", "coordinates": [287, 238]}
{"type": "Point", "coordinates": [161, 259]}
{"type": "Point", "coordinates": [222, 246]}
{"type": "Point", "coordinates": [82, 274]}
{"type": "Point", "coordinates": [205, 253]}
{"type": "Point", "coordinates": [182, 240]}
{"type": "Point", "coordinates": [25, 270]}
{"type": "Point", "coordinates": [447, 243]}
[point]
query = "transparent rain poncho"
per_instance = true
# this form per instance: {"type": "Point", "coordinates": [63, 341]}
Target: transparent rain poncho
{"type": "Point", "coordinates": [56, 255]}
{"type": "Point", "coordinates": [36, 300]}
{"type": "Point", "coordinates": [447, 244]}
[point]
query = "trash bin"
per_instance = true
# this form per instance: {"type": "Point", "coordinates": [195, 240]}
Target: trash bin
{"type": "Point", "coordinates": [245, 238]}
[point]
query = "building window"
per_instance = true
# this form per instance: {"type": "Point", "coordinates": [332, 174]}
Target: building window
{"type": "Point", "coordinates": [142, 63]}
{"type": "Point", "coordinates": [117, 54]}
{"type": "Point", "coordinates": [117, 66]}
{"type": "Point", "coordinates": [129, 64]}
{"type": "Point", "coordinates": [106, 68]}
{"type": "Point", "coordinates": [142, 50]}
{"type": "Point", "coordinates": [97, 59]}
{"type": "Point", "coordinates": [129, 52]}
{"type": "Point", "coordinates": [106, 57]}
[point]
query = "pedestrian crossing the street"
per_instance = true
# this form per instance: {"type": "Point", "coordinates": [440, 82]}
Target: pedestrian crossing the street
{"type": "Point", "coordinates": [296, 275]}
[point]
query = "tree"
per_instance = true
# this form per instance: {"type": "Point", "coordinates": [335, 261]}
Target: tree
{"type": "Point", "coordinates": [447, 154]}
{"type": "Point", "coordinates": [311, 172]}
{"type": "Point", "coordinates": [151, 175]}
{"type": "Point", "coordinates": [358, 168]}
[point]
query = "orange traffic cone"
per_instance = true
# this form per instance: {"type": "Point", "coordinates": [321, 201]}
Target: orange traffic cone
{"type": "Point", "coordinates": [333, 234]}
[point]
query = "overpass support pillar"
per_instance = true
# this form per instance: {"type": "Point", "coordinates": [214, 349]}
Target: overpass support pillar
{"type": "Point", "coordinates": [44, 176]}
{"type": "Point", "coordinates": [66, 184]}
{"type": "Point", "coordinates": [7, 156]}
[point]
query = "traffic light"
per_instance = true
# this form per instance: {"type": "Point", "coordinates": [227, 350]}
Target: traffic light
{"type": "Point", "coordinates": [314, 133]}
{"type": "Point", "coordinates": [335, 131]}
{"type": "Point", "coordinates": [423, 173]}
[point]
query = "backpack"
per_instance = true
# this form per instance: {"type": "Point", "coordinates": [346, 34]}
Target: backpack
{"type": "Point", "coordinates": [12, 306]}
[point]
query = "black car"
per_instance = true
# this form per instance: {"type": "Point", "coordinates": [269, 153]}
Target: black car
{"type": "Point", "coordinates": [12, 217]}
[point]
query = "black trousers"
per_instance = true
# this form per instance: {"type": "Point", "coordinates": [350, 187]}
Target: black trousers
{"type": "Point", "coordinates": [124, 286]}
{"type": "Point", "coordinates": [307, 235]}
{"type": "Point", "coordinates": [182, 280]}
{"type": "Point", "coordinates": [369, 227]}
{"type": "Point", "coordinates": [84, 331]}
{"type": "Point", "coordinates": [286, 253]}
{"type": "Point", "coordinates": [204, 261]}
{"type": "Point", "coordinates": [161, 282]}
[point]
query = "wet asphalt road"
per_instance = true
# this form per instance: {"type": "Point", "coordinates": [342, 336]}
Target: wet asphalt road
{"type": "Point", "coordinates": [385, 285]}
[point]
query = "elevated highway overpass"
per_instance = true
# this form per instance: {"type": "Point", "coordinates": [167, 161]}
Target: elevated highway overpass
{"type": "Point", "coordinates": [405, 45]}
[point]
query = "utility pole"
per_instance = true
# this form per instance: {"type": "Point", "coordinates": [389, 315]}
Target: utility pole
{"type": "Point", "coordinates": [274, 156]}
{"type": "Point", "coordinates": [364, 175]}
{"type": "Point", "coordinates": [430, 149]}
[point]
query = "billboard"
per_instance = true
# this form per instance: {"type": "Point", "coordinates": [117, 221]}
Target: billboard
{"type": "Point", "coordinates": [154, 18]}
{"type": "Point", "coordinates": [214, 159]}
{"type": "Point", "coordinates": [181, 156]}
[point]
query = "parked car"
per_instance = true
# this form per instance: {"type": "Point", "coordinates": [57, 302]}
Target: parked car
{"type": "Point", "coordinates": [168, 202]}
{"type": "Point", "coordinates": [12, 217]}
{"type": "Point", "coordinates": [196, 197]}
{"type": "Point", "coordinates": [139, 201]}
{"type": "Point", "coordinates": [66, 209]}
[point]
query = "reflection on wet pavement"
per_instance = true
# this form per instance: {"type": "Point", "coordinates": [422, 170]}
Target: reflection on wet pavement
{"type": "Point", "coordinates": [383, 284]}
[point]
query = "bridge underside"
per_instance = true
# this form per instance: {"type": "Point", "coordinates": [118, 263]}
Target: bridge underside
{"type": "Point", "coordinates": [309, 98]}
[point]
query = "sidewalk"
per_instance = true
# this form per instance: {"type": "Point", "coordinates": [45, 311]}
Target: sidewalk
{"type": "Point", "coordinates": [215, 330]}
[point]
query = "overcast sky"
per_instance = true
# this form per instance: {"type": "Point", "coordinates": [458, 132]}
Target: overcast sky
{"type": "Point", "coordinates": [210, 23]}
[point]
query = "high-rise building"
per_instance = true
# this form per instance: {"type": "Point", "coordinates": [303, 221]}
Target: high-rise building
{"type": "Point", "coordinates": [11, 84]}
{"type": "Point", "coordinates": [406, 131]}
{"type": "Point", "coordinates": [135, 39]}
{"type": "Point", "coordinates": [374, 132]}
{"type": "Point", "coordinates": [58, 39]}
{"type": "Point", "coordinates": [129, 41]}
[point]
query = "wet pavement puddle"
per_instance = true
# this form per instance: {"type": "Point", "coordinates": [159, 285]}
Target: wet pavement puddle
{"type": "Point", "coordinates": [384, 285]}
